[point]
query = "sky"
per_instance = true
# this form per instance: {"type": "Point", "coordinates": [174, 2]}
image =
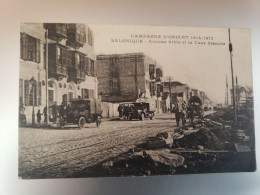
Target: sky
{"type": "Point", "coordinates": [184, 53]}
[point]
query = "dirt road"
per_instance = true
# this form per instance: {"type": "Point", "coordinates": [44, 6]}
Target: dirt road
{"type": "Point", "coordinates": [58, 153]}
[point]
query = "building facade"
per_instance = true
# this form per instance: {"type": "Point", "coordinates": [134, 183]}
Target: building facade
{"type": "Point", "coordinates": [128, 77]}
{"type": "Point", "coordinates": [62, 52]}
{"type": "Point", "coordinates": [176, 89]}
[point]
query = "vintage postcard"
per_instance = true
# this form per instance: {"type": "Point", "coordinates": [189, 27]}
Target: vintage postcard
{"type": "Point", "coordinates": [134, 100]}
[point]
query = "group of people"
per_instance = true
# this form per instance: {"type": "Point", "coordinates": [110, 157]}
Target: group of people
{"type": "Point", "coordinates": [124, 110]}
{"type": "Point", "coordinates": [57, 112]}
{"type": "Point", "coordinates": [183, 112]}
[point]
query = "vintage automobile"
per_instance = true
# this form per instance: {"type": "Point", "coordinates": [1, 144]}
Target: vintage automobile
{"type": "Point", "coordinates": [83, 111]}
{"type": "Point", "coordinates": [196, 105]}
{"type": "Point", "coordinates": [141, 110]}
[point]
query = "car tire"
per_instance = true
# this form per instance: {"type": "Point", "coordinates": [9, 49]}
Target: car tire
{"type": "Point", "coordinates": [82, 122]}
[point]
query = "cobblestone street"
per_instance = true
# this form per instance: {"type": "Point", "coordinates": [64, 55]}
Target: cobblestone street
{"type": "Point", "coordinates": [58, 153]}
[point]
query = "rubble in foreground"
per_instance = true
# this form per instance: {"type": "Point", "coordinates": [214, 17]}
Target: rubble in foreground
{"type": "Point", "coordinates": [208, 146]}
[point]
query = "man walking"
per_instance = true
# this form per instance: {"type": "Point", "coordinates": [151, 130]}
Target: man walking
{"type": "Point", "coordinates": [54, 112]}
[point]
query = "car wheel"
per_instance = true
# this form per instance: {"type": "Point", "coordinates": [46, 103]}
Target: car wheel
{"type": "Point", "coordinates": [81, 122]}
{"type": "Point", "coordinates": [98, 121]}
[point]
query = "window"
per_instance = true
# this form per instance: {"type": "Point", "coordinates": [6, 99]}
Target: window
{"type": "Point", "coordinates": [59, 55]}
{"type": "Point", "coordinates": [152, 88]}
{"type": "Point", "coordinates": [21, 91]}
{"type": "Point", "coordinates": [152, 71]}
{"type": "Point", "coordinates": [80, 33]}
{"type": "Point", "coordinates": [64, 99]}
{"type": "Point", "coordinates": [30, 89]}
{"type": "Point", "coordinates": [76, 60]}
{"type": "Point", "coordinates": [50, 97]}
{"type": "Point", "coordinates": [87, 93]}
{"type": "Point", "coordinates": [92, 68]}
{"type": "Point", "coordinates": [81, 63]}
{"type": "Point", "coordinates": [113, 85]}
{"type": "Point", "coordinates": [30, 48]}
{"type": "Point", "coordinates": [70, 94]}
{"type": "Point", "coordinates": [61, 29]}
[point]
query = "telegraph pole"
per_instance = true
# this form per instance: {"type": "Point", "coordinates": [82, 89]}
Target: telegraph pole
{"type": "Point", "coordinates": [170, 89]}
{"type": "Point", "coordinates": [46, 78]}
{"type": "Point", "coordinates": [233, 87]}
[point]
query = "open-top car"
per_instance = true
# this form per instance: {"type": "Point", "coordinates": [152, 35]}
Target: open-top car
{"type": "Point", "coordinates": [84, 111]}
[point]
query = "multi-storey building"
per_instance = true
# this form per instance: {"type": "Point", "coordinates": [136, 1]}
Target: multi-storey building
{"type": "Point", "coordinates": [176, 89]}
{"type": "Point", "coordinates": [128, 77]}
{"type": "Point", "coordinates": [67, 52]}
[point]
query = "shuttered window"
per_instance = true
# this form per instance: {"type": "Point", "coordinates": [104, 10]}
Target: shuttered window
{"type": "Point", "coordinates": [31, 92]}
{"type": "Point", "coordinates": [85, 93]}
{"type": "Point", "coordinates": [64, 99]}
{"type": "Point", "coordinates": [81, 63]}
{"type": "Point", "coordinates": [21, 91]}
{"type": "Point", "coordinates": [92, 68]}
{"type": "Point", "coordinates": [69, 58]}
{"type": "Point", "coordinates": [64, 56]}
{"type": "Point", "coordinates": [26, 92]}
{"type": "Point", "coordinates": [30, 48]}
{"type": "Point", "coordinates": [70, 94]}
{"type": "Point", "coordinates": [86, 64]}
{"type": "Point", "coordinates": [76, 60]}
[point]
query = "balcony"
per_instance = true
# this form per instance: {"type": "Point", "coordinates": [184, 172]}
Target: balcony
{"type": "Point", "coordinates": [76, 75]}
{"type": "Point", "coordinates": [57, 58]}
{"type": "Point", "coordinates": [58, 71]}
{"type": "Point", "coordinates": [76, 35]}
{"type": "Point", "coordinates": [57, 31]}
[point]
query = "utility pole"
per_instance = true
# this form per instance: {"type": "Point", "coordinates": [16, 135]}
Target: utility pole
{"type": "Point", "coordinates": [46, 78]}
{"type": "Point", "coordinates": [233, 86]}
{"type": "Point", "coordinates": [33, 101]}
{"type": "Point", "coordinates": [170, 90]}
{"type": "Point", "coordinates": [226, 96]}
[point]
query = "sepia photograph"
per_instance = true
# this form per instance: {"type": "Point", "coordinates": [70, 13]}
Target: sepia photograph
{"type": "Point", "coordinates": [134, 100]}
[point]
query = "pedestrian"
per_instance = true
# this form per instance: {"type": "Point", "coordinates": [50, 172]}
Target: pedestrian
{"type": "Point", "coordinates": [45, 114]}
{"type": "Point", "coordinates": [120, 110]}
{"type": "Point", "coordinates": [123, 111]}
{"type": "Point", "coordinates": [22, 116]}
{"type": "Point", "coordinates": [62, 110]}
{"type": "Point", "coordinates": [191, 113]}
{"type": "Point", "coordinates": [127, 110]}
{"type": "Point", "coordinates": [39, 116]}
{"type": "Point", "coordinates": [62, 115]}
{"type": "Point", "coordinates": [54, 112]}
{"type": "Point", "coordinates": [179, 113]}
